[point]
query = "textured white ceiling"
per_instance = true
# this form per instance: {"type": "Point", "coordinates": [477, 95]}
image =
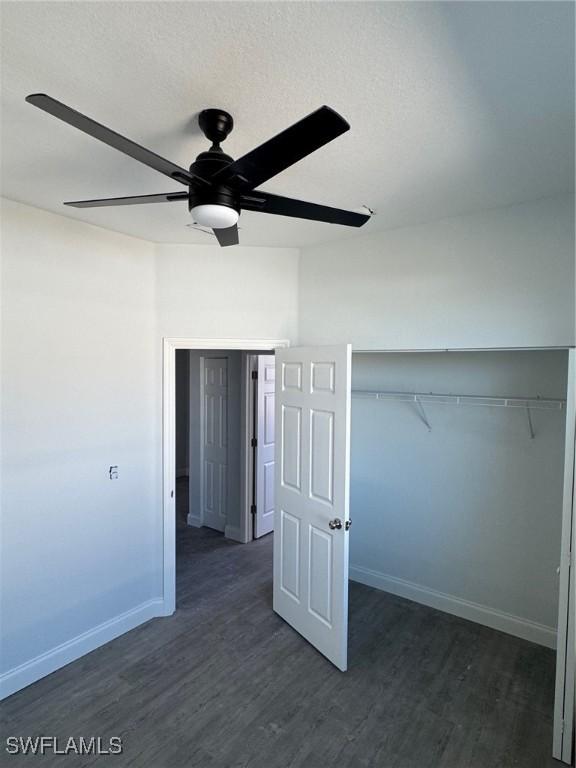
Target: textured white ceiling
{"type": "Point", "coordinates": [454, 107]}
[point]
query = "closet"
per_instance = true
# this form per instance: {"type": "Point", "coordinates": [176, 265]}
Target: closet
{"type": "Point", "coordinates": [455, 471]}
{"type": "Point", "coordinates": [456, 489]}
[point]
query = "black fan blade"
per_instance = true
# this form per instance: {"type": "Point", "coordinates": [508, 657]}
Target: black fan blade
{"type": "Point", "coordinates": [169, 197]}
{"type": "Point", "coordinates": [286, 206]}
{"type": "Point", "coordinates": [113, 139]}
{"type": "Point", "coordinates": [285, 149]}
{"type": "Point", "coordinates": [227, 236]}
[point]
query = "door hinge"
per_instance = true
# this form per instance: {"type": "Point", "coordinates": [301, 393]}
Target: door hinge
{"type": "Point", "coordinates": [253, 509]}
{"type": "Point", "coordinates": [254, 442]}
{"type": "Point", "coordinates": [254, 374]}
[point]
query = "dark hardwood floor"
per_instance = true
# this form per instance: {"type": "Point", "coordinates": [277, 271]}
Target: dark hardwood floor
{"type": "Point", "coordinates": [225, 683]}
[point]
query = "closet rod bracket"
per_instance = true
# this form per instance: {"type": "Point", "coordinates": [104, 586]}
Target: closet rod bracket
{"type": "Point", "coordinates": [422, 412]}
{"type": "Point", "coordinates": [530, 425]}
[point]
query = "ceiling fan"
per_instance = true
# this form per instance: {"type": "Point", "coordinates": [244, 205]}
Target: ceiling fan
{"type": "Point", "coordinates": [219, 188]}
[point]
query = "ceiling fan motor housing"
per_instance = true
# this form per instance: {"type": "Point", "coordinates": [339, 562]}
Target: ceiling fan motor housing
{"type": "Point", "coordinates": [207, 164]}
{"type": "Point", "coordinates": [215, 124]}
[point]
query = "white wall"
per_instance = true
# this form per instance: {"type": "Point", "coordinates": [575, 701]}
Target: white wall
{"type": "Point", "coordinates": [79, 393]}
{"type": "Point", "coordinates": [208, 291]}
{"type": "Point", "coordinates": [84, 313]}
{"type": "Point", "coordinates": [466, 517]}
{"type": "Point", "coordinates": [503, 278]}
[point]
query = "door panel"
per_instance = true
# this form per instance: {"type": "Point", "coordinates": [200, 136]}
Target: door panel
{"type": "Point", "coordinates": [265, 461]}
{"type": "Point", "coordinates": [290, 555]}
{"type": "Point", "coordinates": [322, 455]}
{"type": "Point", "coordinates": [312, 489]}
{"type": "Point", "coordinates": [291, 446]}
{"type": "Point", "coordinates": [320, 575]}
{"type": "Point", "coordinates": [268, 496]}
{"type": "Point", "coordinates": [215, 442]}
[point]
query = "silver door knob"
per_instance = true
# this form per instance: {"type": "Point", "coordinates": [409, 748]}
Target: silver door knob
{"type": "Point", "coordinates": [335, 524]}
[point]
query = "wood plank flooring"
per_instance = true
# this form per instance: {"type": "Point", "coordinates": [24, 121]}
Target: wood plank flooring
{"type": "Point", "coordinates": [225, 683]}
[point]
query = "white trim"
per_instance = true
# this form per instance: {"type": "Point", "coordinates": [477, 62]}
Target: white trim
{"type": "Point", "coordinates": [200, 394]}
{"type": "Point", "coordinates": [169, 347]}
{"type": "Point", "coordinates": [463, 349]}
{"type": "Point", "coordinates": [31, 671]}
{"type": "Point", "coordinates": [245, 448]}
{"type": "Point", "coordinates": [244, 345]}
{"type": "Point", "coordinates": [465, 609]}
{"type": "Point", "coordinates": [565, 658]}
{"type": "Point", "coordinates": [250, 365]}
{"type": "Point", "coordinates": [194, 520]}
{"type": "Point", "coordinates": [234, 533]}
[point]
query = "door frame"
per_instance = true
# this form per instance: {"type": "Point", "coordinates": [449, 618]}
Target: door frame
{"type": "Point", "coordinates": [169, 347]}
{"type": "Point", "coordinates": [247, 457]}
{"type": "Point", "coordinates": [249, 427]}
{"type": "Point", "coordinates": [565, 646]}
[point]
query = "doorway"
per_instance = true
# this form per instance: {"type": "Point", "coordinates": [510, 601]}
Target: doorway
{"type": "Point", "coordinates": [169, 467]}
{"type": "Point", "coordinates": [225, 440]}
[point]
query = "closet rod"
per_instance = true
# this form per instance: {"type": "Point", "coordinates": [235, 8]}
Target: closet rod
{"type": "Point", "coordinates": [532, 403]}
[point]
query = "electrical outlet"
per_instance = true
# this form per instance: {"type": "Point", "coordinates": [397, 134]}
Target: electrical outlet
{"type": "Point", "coordinates": [113, 472]}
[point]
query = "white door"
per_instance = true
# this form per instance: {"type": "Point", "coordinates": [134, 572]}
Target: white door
{"type": "Point", "coordinates": [312, 495]}
{"type": "Point", "coordinates": [265, 383]}
{"type": "Point", "coordinates": [214, 442]}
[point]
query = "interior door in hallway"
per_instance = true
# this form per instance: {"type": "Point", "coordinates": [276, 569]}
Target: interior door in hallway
{"type": "Point", "coordinates": [214, 442]}
{"type": "Point", "coordinates": [266, 381]}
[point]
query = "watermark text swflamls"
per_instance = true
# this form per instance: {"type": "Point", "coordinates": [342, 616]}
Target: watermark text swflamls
{"type": "Point", "coordinates": [54, 745]}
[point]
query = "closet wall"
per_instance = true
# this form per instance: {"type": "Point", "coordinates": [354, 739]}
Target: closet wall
{"type": "Point", "coordinates": [466, 517]}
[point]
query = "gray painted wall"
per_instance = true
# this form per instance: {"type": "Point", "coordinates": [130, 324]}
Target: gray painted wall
{"type": "Point", "coordinates": [473, 508]}
{"type": "Point", "coordinates": [182, 411]}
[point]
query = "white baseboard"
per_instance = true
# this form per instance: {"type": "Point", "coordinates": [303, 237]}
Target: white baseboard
{"type": "Point", "coordinates": [465, 609]}
{"type": "Point", "coordinates": [194, 520]}
{"type": "Point", "coordinates": [184, 472]}
{"type": "Point", "coordinates": [31, 671]}
{"type": "Point", "coordinates": [234, 533]}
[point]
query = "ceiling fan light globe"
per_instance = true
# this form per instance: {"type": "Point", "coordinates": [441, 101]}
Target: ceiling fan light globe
{"type": "Point", "coordinates": [214, 216]}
